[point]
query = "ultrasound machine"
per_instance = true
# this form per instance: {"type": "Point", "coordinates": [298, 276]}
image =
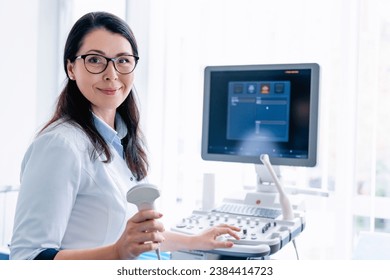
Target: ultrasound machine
{"type": "Point", "coordinates": [266, 115]}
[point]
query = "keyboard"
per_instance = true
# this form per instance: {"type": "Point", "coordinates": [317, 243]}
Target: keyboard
{"type": "Point", "coordinates": [246, 210]}
{"type": "Point", "coordinates": [260, 235]}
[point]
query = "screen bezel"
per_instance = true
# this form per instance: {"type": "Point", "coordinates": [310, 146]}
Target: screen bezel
{"type": "Point", "coordinates": [311, 160]}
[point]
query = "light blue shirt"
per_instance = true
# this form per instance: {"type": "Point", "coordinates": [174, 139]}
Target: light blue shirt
{"type": "Point", "coordinates": [110, 135]}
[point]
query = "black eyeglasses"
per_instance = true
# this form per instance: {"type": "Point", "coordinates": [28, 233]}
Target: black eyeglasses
{"type": "Point", "coordinates": [96, 63]}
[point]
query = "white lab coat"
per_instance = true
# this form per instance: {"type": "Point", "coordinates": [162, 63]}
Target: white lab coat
{"type": "Point", "coordinates": [68, 200]}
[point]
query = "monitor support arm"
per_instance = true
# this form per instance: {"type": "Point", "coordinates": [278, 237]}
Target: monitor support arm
{"type": "Point", "coordinates": [283, 198]}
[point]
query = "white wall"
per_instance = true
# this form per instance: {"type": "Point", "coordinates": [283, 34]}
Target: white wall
{"type": "Point", "coordinates": [18, 97]}
{"type": "Point", "coordinates": [29, 77]}
{"type": "Point", "coordinates": [18, 79]}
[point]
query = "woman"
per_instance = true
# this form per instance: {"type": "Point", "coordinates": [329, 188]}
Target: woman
{"type": "Point", "coordinates": [75, 175]}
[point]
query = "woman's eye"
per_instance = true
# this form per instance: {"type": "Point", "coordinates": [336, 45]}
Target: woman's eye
{"type": "Point", "coordinates": [123, 60]}
{"type": "Point", "coordinates": [94, 60]}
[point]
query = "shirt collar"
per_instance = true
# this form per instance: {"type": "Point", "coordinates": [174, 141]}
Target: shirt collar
{"type": "Point", "coordinates": [109, 134]}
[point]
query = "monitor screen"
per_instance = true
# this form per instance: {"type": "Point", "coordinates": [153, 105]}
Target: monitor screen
{"type": "Point", "coordinates": [251, 110]}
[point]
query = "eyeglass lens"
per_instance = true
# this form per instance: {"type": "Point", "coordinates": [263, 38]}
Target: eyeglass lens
{"type": "Point", "coordinates": [97, 64]}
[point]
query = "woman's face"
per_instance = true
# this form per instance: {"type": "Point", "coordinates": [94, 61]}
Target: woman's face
{"type": "Point", "coordinates": [107, 90]}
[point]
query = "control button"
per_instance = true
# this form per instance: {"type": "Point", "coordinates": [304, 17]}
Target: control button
{"type": "Point", "coordinates": [181, 225]}
{"type": "Point", "coordinates": [266, 227]}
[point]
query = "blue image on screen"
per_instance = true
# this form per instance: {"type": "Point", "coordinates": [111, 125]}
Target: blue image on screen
{"type": "Point", "coordinates": [258, 110]}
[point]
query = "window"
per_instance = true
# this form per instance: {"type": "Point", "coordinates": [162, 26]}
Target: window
{"type": "Point", "coordinates": [348, 39]}
{"type": "Point", "coordinates": [372, 186]}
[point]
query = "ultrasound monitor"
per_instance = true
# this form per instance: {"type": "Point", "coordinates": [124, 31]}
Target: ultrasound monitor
{"type": "Point", "coordinates": [251, 110]}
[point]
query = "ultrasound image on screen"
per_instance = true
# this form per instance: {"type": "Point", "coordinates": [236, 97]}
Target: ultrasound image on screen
{"type": "Point", "coordinates": [255, 111]}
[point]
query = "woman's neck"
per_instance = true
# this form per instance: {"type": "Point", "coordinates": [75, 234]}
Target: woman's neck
{"type": "Point", "coordinates": [108, 116]}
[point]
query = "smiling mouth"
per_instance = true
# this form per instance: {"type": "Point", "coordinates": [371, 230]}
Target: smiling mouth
{"type": "Point", "coordinates": [109, 91]}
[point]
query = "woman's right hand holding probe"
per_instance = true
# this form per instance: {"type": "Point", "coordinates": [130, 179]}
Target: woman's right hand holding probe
{"type": "Point", "coordinates": [143, 233]}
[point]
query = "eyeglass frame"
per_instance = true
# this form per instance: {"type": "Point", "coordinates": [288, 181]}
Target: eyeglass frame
{"type": "Point", "coordinates": [108, 59]}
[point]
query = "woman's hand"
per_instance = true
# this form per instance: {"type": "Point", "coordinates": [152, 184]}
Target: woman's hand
{"type": "Point", "coordinates": [142, 233]}
{"type": "Point", "coordinates": [208, 239]}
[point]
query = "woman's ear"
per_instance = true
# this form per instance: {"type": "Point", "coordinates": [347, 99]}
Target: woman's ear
{"type": "Point", "coordinates": [70, 68]}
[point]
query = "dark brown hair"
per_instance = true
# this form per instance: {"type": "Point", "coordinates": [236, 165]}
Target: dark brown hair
{"type": "Point", "coordinates": [74, 107]}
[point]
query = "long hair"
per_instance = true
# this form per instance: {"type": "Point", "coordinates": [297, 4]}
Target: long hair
{"type": "Point", "coordinates": [74, 107]}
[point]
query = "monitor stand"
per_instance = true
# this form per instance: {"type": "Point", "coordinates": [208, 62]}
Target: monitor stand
{"type": "Point", "coordinates": [264, 180]}
{"type": "Point", "coordinates": [266, 194]}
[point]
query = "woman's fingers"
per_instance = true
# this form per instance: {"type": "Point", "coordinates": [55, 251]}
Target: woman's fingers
{"type": "Point", "coordinates": [145, 215]}
{"type": "Point", "coordinates": [152, 237]}
{"type": "Point", "coordinates": [228, 226]}
{"type": "Point", "coordinates": [143, 233]}
{"type": "Point", "coordinates": [228, 229]}
{"type": "Point", "coordinates": [146, 226]}
{"type": "Point", "coordinates": [144, 247]}
{"type": "Point", "coordinates": [214, 237]}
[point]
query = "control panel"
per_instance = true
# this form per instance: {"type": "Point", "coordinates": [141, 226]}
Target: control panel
{"type": "Point", "coordinates": [259, 236]}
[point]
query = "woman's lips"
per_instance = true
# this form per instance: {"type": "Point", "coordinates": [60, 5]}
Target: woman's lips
{"type": "Point", "coordinates": [109, 91]}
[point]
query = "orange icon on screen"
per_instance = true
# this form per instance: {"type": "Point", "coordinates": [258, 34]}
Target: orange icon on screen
{"type": "Point", "coordinates": [264, 89]}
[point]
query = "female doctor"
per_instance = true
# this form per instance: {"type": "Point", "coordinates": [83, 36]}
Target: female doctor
{"type": "Point", "coordinates": [75, 175]}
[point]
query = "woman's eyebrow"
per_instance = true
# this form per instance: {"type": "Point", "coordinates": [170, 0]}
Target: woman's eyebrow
{"type": "Point", "coordinates": [124, 53]}
{"type": "Point", "coordinates": [96, 51]}
{"type": "Point", "coordinates": [103, 53]}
